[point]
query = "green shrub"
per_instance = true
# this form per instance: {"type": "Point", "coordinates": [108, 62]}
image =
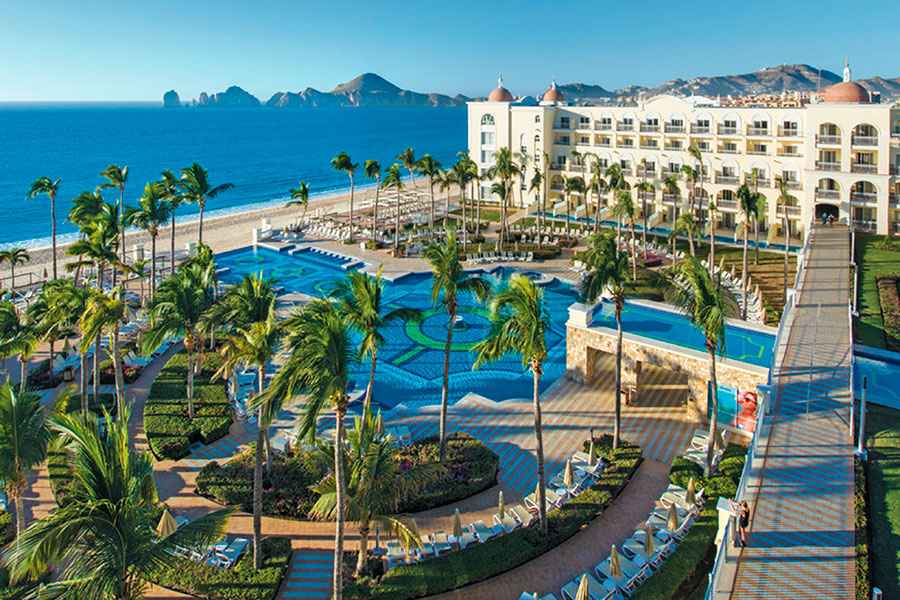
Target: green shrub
{"type": "Point", "coordinates": [686, 570]}
{"type": "Point", "coordinates": [241, 582]}
{"type": "Point", "coordinates": [7, 528]}
{"type": "Point", "coordinates": [108, 374]}
{"type": "Point", "coordinates": [471, 467]}
{"type": "Point", "coordinates": [482, 561]}
{"type": "Point", "coordinates": [860, 502]}
{"type": "Point", "coordinates": [287, 485]}
{"type": "Point", "coordinates": [170, 432]}
{"type": "Point", "coordinates": [72, 403]}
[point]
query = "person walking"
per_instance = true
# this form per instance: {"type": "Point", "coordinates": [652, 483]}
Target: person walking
{"type": "Point", "coordinates": [743, 521]}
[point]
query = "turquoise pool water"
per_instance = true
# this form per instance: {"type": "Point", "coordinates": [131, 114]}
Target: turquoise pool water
{"type": "Point", "coordinates": [881, 370]}
{"type": "Point", "coordinates": [665, 231]}
{"type": "Point", "coordinates": [411, 361]}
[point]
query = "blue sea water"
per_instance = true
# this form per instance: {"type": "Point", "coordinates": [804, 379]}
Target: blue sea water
{"type": "Point", "coordinates": [263, 152]}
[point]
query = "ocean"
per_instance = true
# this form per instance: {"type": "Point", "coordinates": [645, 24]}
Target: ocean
{"type": "Point", "coordinates": [263, 152]}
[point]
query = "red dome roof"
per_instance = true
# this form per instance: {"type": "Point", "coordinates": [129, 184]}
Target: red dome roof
{"type": "Point", "coordinates": [500, 94]}
{"type": "Point", "coordinates": [553, 94]}
{"type": "Point", "coordinates": [846, 92]}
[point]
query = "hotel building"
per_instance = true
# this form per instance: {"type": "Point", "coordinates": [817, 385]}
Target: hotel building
{"type": "Point", "coordinates": [839, 153]}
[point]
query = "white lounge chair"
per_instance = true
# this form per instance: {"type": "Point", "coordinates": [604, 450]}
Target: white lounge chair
{"type": "Point", "coordinates": [483, 532]}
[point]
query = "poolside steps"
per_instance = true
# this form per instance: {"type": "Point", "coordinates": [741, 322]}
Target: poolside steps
{"type": "Point", "coordinates": [309, 576]}
{"type": "Point", "coordinates": [276, 246]}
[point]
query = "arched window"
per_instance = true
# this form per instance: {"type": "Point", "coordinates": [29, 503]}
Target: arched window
{"type": "Point", "coordinates": [487, 120]}
{"type": "Point", "coordinates": [537, 118]}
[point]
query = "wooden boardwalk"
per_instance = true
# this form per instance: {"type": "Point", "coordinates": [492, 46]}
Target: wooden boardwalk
{"type": "Point", "coordinates": [802, 540]}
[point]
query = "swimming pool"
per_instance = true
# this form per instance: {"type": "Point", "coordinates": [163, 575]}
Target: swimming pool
{"type": "Point", "coordinates": [665, 231]}
{"type": "Point", "coordinates": [411, 360]}
{"type": "Point", "coordinates": [881, 369]}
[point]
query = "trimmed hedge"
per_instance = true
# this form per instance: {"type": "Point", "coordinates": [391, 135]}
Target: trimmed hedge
{"type": "Point", "coordinates": [72, 403]}
{"type": "Point", "coordinates": [241, 582]}
{"type": "Point", "coordinates": [471, 467]}
{"type": "Point", "coordinates": [483, 561]}
{"type": "Point", "coordinates": [170, 432]}
{"type": "Point", "coordinates": [686, 570]}
{"type": "Point", "coordinates": [889, 299]}
{"type": "Point", "coordinates": [287, 486]}
{"type": "Point", "coordinates": [863, 558]}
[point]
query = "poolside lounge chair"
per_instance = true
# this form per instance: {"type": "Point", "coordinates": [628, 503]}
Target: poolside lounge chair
{"type": "Point", "coordinates": [521, 513]}
{"type": "Point", "coordinates": [483, 532]}
{"type": "Point", "coordinates": [507, 523]}
{"type": "Point", "coordinates": [233, 552]}
{"type": "Point", "coordinates": [440, 542]}
{"type": "Point", "coordinates": [597, 590]}
{"type": "Point", "coordinates": [395, 554]}
{"type": "Point", "coordinates": [468, 538]}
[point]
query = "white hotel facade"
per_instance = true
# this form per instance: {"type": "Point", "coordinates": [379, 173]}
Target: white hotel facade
{"type": "Point", "coordinates": [840, 154]}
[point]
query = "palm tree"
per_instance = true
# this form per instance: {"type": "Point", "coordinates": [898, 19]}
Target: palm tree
{"type": "Point", "coordinates": [505, 169]}
{"type": "Point", "coordinates": [104, 315]}
{"type": "Point", "coordinates": [23, 443]}
{"type": "Point", "coordinates": [429, 167]}
{"type": "Point", "coordinates": [372, 169]}
{"type": "Point", "coordinates": [300, 196]}
{"type": "Point", "coordinates": [694, 151]}
{"type": "Point", "coordinates": [174, 198]}
{"type": "Point", "coordinates": [177, 310]}
{"type": "Point", "coordinates": [713, 222]}
{"type": "Point", "coordinates": [534, 186]}
{"type": "Point", "coordinates": [708, 306]}
{"type": "Point", "coordinates": [66, 302]}
{"type": "Point", "coordinates": [599, 186]}
{"type": "Point", "coordinates": [607, 269]}
{"type": "Point", "coordinates": [615, 182]}
{"type": "Point", "coordinates": [573, 185]}
{"type": "Point", "coordinates": [685, 224]}
{"type": "Point", "coordinates": [624, 211]}
{"type": "Point", "coordinates": [670, 185]}
{"type": "Point", "coordinates": [519, 324]}
{"type": "Point", "coordinates": [376, 486]}
{"type": "Point", "coordinates": [359, 298]}
{"type": "Point", "coordinates": [86, 207]}
{"type": "Point", "coordinates": [748, 202]}
{"type": "Point", "coordinates": [19, 337]}
{"type": "Point", "coordinates": [643, 188]}
{"type": "Point", "coordinates": [450, 279]}
{"type": "Point", "coordinates": [139, 270]}
{"type": "Point", "coordinates": [116, 178]}
{"type": "Point", "coordinates": [45, 185]}
{"type": "Point", "coordinates": [152, 212]}
{"type": "Point", "coordinates": [103, 536]}
{"type": "Point", "coordinates": [196, 189]}
{"type": "Point", "coordinates": [342, 162]}
{"type": "Point", "coordinates": [320, 351]}
{"type": "Point", "coordinates": [784, 200]}
{"type": "Point", "coordinates": [14, 256]}
{"type": "Point", "coordinates": [393, 179]}
{"type": "Point", "coordinates": [445, 183]}
{"type": "Point", "coordinates": [255, 345]}
{"type": "Point", "coordinates": [407, 158]}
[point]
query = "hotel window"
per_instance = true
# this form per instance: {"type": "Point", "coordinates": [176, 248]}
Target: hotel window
{"type": "Point", "coordinates": [676, 123]}
{"type": "Point", "coordinates": [584, 122]}
{"type": "Point", "coordinates": [789, 176]}
{"type": "Point", "coordinates": [561, 161]}
{"type": "Point", "coordinates": [627, 142]}
{"type": "Point", "coordinates": [729, 147]}
{"type": "Point", "coordinates": [584, 140]}
{"type": "Point", "coordinates": [760, 148]}
{"type": "Point", "coordinates": [729, 124]}
{"type": "Point", "coordinates": [760, 124]}
{"type": "Point", "coordinates": [564, 122]}
{"type": "Point", "coordinates": [865, 158]}
{"type": "Point", "coordinates": [790, 127]}
{"type": "Point", "coordinates": [828, 156]}
{"type": "Point", "coordinates": [627, 121]}
{"type": "Point", "coordinates": [728, 171]}
{"type": "Point", "coordinates": [488, 138]}
{"type": "Point", "coordinates": [487, 156]}
{"type": "Point", "coordinates": [703, 123]}
{"type": "Point", "coordinates": [703, 146]}
{"type": "Point", "coordinates": [675, 145]}
{"type": "Point", "coordinates": [791, 150]}
{"type": "Point", "coordinates": [606, 121]}
{"type": "Point", "coordinates": [673, 168]}
{"type": "Point", "coordinates": [563, 140]}
{"type": "Point", "coordinates": [649, 167]}
{"type": "Point", "coordinates": [626, 166]}
{"type": "Point", "coordinates": [487, 120]}
{"type": "Point", "coordinates": [652, 121]}
{"type": "Point", "coordinates": [603, 162]}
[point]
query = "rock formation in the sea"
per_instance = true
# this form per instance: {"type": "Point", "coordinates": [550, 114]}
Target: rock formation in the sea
{"type": "Point", "coordinates": [233, 97]}
{"type": "Point", "coordinates": [171, 99]}
{"type": "Point", "coordinates": [367, 89]}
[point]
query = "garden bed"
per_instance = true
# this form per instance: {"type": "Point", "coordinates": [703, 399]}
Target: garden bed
{"type": "Point", "coordinates": [483, 561]}
{"type": "Point", "coordinates": [684, 574]}
{"type": "Point", "coordinates": [883, 486]}
{"type": "Point", "coordinates": [861, 509]}
{"type": "Point", "coordinates": [170, 432]}
{"type": "Point", "coordinates": [241, 582]}
{"type": "Point", "coordinates": [876, 256]}
{"type": "Point", "coordinates": [889, 300]}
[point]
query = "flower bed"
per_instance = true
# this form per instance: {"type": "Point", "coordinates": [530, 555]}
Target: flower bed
{"type": "Point", "coordinates": [170, 432]}
{"type": "Point", "coordinates": [241, 582]}
{"type": "Point", "coordinates": [483, 561]}
{"type": "Point", "coordinates": [889, 299]}
{"type": "Point", "coordinates": [685, 572]}
{"type": "Point", "coordinates": [287, 485]}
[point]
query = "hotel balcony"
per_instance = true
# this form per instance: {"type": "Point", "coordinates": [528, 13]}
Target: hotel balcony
{"type": "Point", "coordinates": [649, 128]}
{"type": "Point", "coordinates": [674, 128]}
{"type": "Point", "coordinates": [824, 194]}
{"type": "Point", "coordinates": [665, 172]}
{"type": "Point", "coordinates": [828, 140]}
{"type": "Point", "coordinates": [623, 126]}
{"type": "Point", "coordinates": [647, 196]}
{"type": "Point", "coordinates": [671, 198]}
{"type": "Point", "coordinates": [863, 196]}
{"type": "Point", "coordinates": [785, 154]}
{"type": "Point", "coordinates": [792, 211]}
{"type": "Point", "coordinates": [700, 129]}
{"type": "Point", "coordinates": [726, 179]}
{"type": "Point", "coordinates": [583, 126]}
{"type": "Point", "coordinates": [563, 126]}
{"type": "Point", "coordinates": [598, 126]}
{"type": "Point", "coordinates": [727, 130]}
{"type": "Point", "coordinates": [626, 143]}
{"type": "Point", "coordinates": [758, 152]}
{"type": "Point", "coordinates": [758, 131]}
{"type": "Point", "coordinates": [724, 150]}
{"type": "Point", "coordinates": [675, 147]}
{"type": "Point", "coordinates": [793, 185]}
{"type": "Point", "coordinates": [557, 167]}
{"type": "Point", "coordinates": [895, 200]}
{"type": "Point", "coordinates": [864, 225]}
{"type": "Point", "coordinates": [627, 172]}
{"type": "Point", "coordinates": [603, 144]}
{"type": "Point", "coordinates": [645, 172]}
{"type": "Point", "coordinates": [703, 147]}
{"type": "Point", "coordinates": [828, 166]}
{"type": "Point", "coordinates": [864, 140]}
{"type": "Point", "coordinates": [789, 132]}
{"type": "Point", "coordinates": [726, 204]}
{"type": "Point", "coordinates": [562, 142]}
{"type": "Point", "coordinates": [864, 168]}
{"type": "Point", "coordinates": [649, 146]}
{"type": "Point", "coordinates": [762, 182]}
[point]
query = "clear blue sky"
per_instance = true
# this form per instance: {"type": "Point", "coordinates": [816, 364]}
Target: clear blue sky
{"type": "Point", "coordinates": [135, 50]}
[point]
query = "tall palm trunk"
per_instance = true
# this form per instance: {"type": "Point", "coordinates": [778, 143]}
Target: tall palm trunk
{"type": "Point", "coordinates": [23, 374]}
{"type": "Point", "coordinates": [445, 382]}
{"type": "Point", "coordinates": [690, 233]}
{"type": "Point", "coordinates": [431, 217]}
{"type": "Point", "coordinates": [95, 384]}
{"type": "Point", "coordinates": [462, 202]}
{"type": "Point", "coordinates": [714, 418]}
{"type": "Point", "coordinates": [122, 220]}
{"type": "Point", "coordinates": [117, 370]}
{"type": "Point", "coordinates": [568, 213]}
{"type": "Point", "coordinates": [257, 475]}
{"type": "Point", "coordinates": [744, 274]}
{"type": "Point", "coordinates": [397, 227]}
{"type": "Point", "coordinates": [375, 214]}
{"type": "Point", "coordinates": [712, 244]}
{"type": "Point", "coordinates": [756, 241]}
{"type": "Point", "coordinates": [370, 388]}
{"type": "Point", "coordinates": [633, 252]}
{"type": "Point", "coordinates": [20, 511]}
{"type": "Point", "coordinates": [364, 529]}
{"type": "Point", "coordinates": [190, 384]}
{"type": "Point", "coordinates": [644, 223]}
{"type": "Point", "coordinates": [350, 236]}
{"type": "Point", "coordinates": [337, 581]}
{"type": "Point", "coordinates": [536, 370]}
{"type": "Point", "coordinates": [202, 210]}
{"type": "Point", "coordinates": [787, 238]}
{"type": "Point", "coordinates": [172, 244]}
{"type": "Point", "coordinates": [83, 383]}
{"type": "Point", "coordinates": [53, 230]}
{"type": "Point", "coordinates": [152, 265]}
{"type": "Point", "coordinates": [617, 423]}
{"type": "Point", "coordinates": [12, 275]}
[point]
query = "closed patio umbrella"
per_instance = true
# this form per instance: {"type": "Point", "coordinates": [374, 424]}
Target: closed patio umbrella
{"type": "Point", "coordinates": [501, 506]}
{"type": "Point", "coordinates": [457, 525]}
{"type": "Point", "coordinates": [615, 569]}
{"type": "Point", "coordinates": [167, 524]}
{"type": "Point", "coordinates": [584, 590]}
{"type": "Point", "coordinates": [648, 546]}
{"type": "Point", "coordinates": [568, 477]}
{"type": "Point", "coordinates": [690, 496]}
{"type": "Point", "coordinates": [591, 453]}
{"type": "Point", "coordinates": [672, 523]}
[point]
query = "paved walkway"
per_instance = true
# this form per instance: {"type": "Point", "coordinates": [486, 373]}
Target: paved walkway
{"type": "Point", "coordinates": [801, 541]}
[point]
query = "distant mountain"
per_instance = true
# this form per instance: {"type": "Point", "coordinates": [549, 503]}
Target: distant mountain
{"type": "Point", "coordinates": [583, 92]}
{"type": "Point", "coordinates": [233, 97]}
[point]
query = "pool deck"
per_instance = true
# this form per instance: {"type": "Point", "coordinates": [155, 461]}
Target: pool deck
{"type": "Point", "coordinates": [802, 539]}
